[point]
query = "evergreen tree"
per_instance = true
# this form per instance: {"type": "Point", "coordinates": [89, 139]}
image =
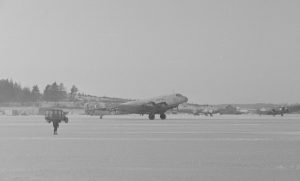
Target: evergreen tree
{"type": "Point", "coordinates": [55, 92]}
{"type": "Point", "coordinates": [47, 93]}
{"type": "Point", "coordinates": [62, 94]}
{"type": "Point", "coordinates": [73, 92]}
{"type": "Point", "coordinates": [26, 95]}
{"type": "Point", "coordinates": [8, 91]}
{"type": "Point", "coordinates": [35, 93]}
{"type": "Point", "coordinates": [13, 92]}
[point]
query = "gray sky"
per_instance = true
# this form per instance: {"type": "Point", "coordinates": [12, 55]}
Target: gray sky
{"type": "Point", "coordinates": [211, 51]}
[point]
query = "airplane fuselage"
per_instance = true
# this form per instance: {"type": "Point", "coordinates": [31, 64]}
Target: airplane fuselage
{"type": "Point", "coordinates": [162, 103]}
{"type": "Point", "coordinates": [158, 105]}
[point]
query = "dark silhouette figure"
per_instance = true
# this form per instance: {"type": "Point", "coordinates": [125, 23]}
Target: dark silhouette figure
{"type": "Point", "coordinates": [55, 126]}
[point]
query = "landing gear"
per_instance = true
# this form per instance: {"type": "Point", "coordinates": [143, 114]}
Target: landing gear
{"type": "Point", "coordinates": [151, 116]}
{"type": "Point", "coordinates": [163, 116]}
{"type": "Point", "coordinates": [101, 116]}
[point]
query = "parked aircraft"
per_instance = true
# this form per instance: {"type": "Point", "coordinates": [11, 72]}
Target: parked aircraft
{"type": "Point", "coordinates": [158, 105]}
{"type": "Point", "coordinates": [232, 110]}
{"type": "Point", "coordinates": [207, 111]}
{"type": "Point", "coordinates": [273, 111]}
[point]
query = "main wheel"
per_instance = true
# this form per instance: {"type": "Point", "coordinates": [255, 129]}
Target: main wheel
{"type": "Point", "coordinates": [163, 116]}
{"type": "Point", "coordinates": [151, 116]}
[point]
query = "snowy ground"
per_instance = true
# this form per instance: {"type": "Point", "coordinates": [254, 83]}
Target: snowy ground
{"type": "Point", "coordinates": [133, 148]}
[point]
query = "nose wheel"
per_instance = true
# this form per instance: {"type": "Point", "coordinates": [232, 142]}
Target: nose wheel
{"type": "Point", "coordinates": [163, 116]}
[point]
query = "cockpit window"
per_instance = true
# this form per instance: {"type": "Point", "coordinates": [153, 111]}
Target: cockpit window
{"type": "Point", "coordinates": [178, 95]}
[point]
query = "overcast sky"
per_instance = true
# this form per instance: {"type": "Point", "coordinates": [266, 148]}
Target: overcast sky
{"type": "Point", "coordinates": [211, 51]}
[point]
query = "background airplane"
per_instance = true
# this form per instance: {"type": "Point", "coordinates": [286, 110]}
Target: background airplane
{"type": "Point", "coordinates": [273, 111]}
{"type": "Point", "coordinates": [207, 111]}
{"type": "Point", "coordinates": [229, 109]}
{"type": "Point", "coordinates": [158, 105]}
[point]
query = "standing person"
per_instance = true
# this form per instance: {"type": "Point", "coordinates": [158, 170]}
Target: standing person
{"type": "Point", "coordinates": [55, 126]}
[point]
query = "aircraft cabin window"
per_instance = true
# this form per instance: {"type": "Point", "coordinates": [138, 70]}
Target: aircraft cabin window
{"type": "Point", "coordinates": [178, 95]}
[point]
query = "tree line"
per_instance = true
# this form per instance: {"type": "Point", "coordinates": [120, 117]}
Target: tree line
{"type": "Point", "coordinates": [11, 91]}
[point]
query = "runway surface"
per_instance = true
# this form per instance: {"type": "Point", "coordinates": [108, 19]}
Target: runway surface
{"type": "Point", "coordinates": [133, 148]}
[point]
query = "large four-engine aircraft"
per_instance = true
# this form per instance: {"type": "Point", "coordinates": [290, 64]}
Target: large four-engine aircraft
{"type": "Point", "coordinates": [158, 105]}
